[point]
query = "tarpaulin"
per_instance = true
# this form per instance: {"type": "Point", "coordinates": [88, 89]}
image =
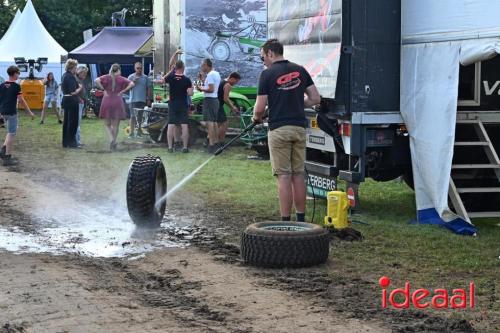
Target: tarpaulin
{"type": "Point", "coordinates": [438, 36]}
{"type": "Point", "coordinates": [311, 32]}
{"type": "Point", "coordinates": [113, 44]}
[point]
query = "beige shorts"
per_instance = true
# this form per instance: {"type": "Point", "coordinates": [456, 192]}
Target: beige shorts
{"type": "Point", "coordinates": [287, 147]}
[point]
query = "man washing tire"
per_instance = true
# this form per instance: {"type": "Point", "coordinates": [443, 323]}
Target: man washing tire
{"type": "Point", "coordinates": [282, 86]}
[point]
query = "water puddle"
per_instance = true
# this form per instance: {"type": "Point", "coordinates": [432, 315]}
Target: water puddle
{"type": "Point", "coordinates": [94, 233]}
{"type": "Point", "coordinates": [43, 219]}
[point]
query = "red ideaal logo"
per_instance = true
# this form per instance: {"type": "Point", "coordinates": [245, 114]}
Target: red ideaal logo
{"type": "Point", "coordinates": [440, 298]}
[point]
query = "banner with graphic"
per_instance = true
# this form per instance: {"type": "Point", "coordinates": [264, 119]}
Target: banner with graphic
{"type": "Point", "coordinates": [311, 31]}
{"type": "Point", "coordinates": [228, 32]}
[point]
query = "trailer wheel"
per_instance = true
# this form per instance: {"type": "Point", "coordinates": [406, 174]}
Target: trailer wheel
{"type": "Point", "coordinates": [221, 51]}
{"type": "Point", "coordinates": [146, 184]}
{"type": "Point", "coordinates": [285, 244]}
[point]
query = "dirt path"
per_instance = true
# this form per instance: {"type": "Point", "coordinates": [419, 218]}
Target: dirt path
{"type": "Point", "coordinates": [165, 290]}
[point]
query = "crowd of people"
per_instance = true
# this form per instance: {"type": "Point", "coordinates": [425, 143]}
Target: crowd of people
{"type": "Point", "coordinates": [74, 92]}
{"type": "Point", "coordinates": [284, 88]}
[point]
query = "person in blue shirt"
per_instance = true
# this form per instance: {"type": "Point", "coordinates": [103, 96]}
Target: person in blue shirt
{"type": "Point", "coordinates": [51, 93]}
{"type": "Point", "coordinates": [139, 96]}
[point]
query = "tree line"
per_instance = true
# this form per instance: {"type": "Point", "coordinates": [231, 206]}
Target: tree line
{"type": "Point", "coordinates": [66, 20]}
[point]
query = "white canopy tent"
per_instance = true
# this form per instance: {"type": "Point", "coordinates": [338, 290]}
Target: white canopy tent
{"type": "Point", "coordinates": [438, 36]}
{"type": "Point", "coordinates": [28, 38]}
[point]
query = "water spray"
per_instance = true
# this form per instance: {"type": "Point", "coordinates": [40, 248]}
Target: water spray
{"type": "Point", "coordinates": [146, 185]}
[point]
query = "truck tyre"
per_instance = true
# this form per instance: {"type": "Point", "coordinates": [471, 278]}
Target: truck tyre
{"type": "Point", "coordinates": [221, 51]}
{"type": "Point", "coordinates": [285, 244]}
{"type": "Point", "coordinates": [146, 184]}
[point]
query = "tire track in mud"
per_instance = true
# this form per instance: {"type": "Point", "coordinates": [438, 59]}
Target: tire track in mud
{"type": "Point", "coordinates": [165, 290]}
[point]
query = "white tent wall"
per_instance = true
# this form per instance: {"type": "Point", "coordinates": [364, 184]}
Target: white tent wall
{"type": "Point", "coordinates": [437, 37]}
{"type": "Point", "coordinates": [445, 20]}
{"type": "Point", "coordinates": [28, 38]}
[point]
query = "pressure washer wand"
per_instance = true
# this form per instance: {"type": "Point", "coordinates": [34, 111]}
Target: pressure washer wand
{"type": "Point", "coordinates": [245, 131]}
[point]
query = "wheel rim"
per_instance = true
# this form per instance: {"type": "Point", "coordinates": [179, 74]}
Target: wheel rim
{"type": "Point", "coordinates": [220, 51]}
{"type": "Point", "coordinates": [287, 227]}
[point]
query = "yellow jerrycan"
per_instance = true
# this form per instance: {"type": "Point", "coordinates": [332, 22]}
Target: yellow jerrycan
{"type": "Point", "coordinates": [337, 210]}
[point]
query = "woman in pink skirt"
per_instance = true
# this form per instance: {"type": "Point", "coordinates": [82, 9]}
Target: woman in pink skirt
{"type": "Point", "coordinates": [112, 106]}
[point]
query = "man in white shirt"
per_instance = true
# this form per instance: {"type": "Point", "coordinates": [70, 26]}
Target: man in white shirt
{"type": "Point", "coordinates": [210, 103]}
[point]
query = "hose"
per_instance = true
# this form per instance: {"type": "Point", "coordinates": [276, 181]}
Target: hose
{"type": "Point", "coordinates": [245, 131]}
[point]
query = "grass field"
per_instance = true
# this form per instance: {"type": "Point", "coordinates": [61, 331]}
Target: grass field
{"type": "Point", "coordinates": [427, 256]}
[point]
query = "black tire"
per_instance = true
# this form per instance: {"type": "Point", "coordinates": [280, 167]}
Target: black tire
{"type": "Point", "coordinates": [220, 50]}
{"type": "Point", "coordinates": [285, 244]}
{"type": "Point", "coordinates": [146, 184]}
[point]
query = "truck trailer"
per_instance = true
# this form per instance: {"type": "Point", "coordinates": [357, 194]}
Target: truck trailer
{"type": "Point", "coordinates": [397, 103]}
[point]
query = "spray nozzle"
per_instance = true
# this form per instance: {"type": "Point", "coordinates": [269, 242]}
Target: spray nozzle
{"type": "Point", "coordinates": [219, 151]}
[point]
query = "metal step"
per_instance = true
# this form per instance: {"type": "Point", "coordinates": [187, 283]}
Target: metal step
{"type": "Point", "coordinates": [475, 215]}
{"type": "Point", "coordinates": [468, 122]}
{"type": "Point", "coordinates": [475, 166]}
{"type": "Point", "coordinates": [472, 144]}
{"type": "Point", "coordinates": [479, 190]}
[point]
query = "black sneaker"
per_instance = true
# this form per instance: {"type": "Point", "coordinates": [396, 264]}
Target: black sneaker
{"type": "Point", "coordinates": [60, 121]}
{"type": "Point", "coordinates": [3, 151]}
{"type": "Point", "coordinates": [185, 150]}
{"type": "Point", "coordinates": [170, 150]}
{"type": "Point", "coordinates": [9, 161]}
{"type": "Point", "coordinates": [41, 122]}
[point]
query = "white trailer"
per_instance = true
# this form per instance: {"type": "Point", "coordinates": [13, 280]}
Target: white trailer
{"type": "Point", "coordinates": [398, 74]}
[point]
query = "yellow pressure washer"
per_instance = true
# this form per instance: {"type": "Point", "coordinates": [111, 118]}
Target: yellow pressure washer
{"type": "Point", "coordinates": [337, 210]}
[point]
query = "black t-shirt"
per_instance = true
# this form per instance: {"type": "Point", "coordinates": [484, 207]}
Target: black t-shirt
{"type": "Point", "coordinates": [69, 83]}
{"type": "Point", "coordinates": [179, 84]}
{"type": "Point", "coordinates": [9, 91]}
{"type": "Point", "coordinates": [285, 83]}
{"type": "Point", "coordinates": [220, 93]}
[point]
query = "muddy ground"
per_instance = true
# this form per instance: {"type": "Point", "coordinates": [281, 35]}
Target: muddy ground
{"type": "Point", "coordinates": [79, 265]}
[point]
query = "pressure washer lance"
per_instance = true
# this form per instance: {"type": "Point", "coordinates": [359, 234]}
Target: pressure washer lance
{"type": "Point", "coordinates": [245, 131]}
